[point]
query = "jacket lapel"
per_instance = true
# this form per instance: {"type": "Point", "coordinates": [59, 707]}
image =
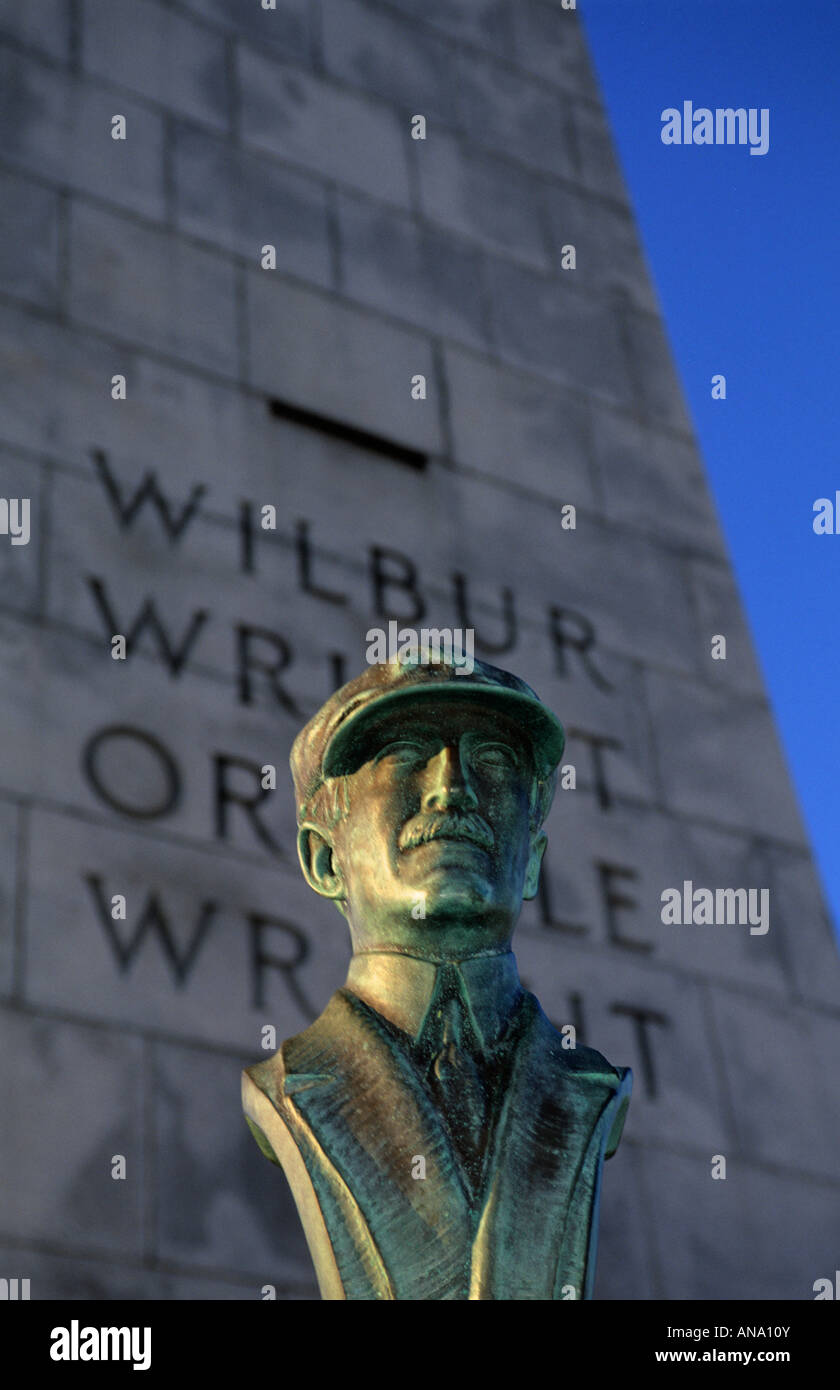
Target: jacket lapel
{"type": "Point", "coordinates": [363, 1103]}
{"type": "Point", "coordinates": [536, 1236]}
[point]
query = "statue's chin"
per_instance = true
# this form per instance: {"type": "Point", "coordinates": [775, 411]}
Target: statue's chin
{"type": "Point", "coordinates": [453, 920]}
{"type": "Point", "coordinates": [470, 897]}
{"type": "Point", "coordinates": [448, 897]}
{"type": "Point", "coordinates": [466, 914]}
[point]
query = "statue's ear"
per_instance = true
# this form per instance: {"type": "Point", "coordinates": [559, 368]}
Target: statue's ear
{"type": "Point", "coordinates": [532, 873]}
{"type": "Point", "coordinates": [318, 863]}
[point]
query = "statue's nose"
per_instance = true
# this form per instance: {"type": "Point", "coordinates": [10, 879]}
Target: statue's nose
{"type": "Point", "coordinates": [448, 785]}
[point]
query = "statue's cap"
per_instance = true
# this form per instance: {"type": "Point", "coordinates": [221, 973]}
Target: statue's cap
{"type": "Point", "coordinates": [332, 743]}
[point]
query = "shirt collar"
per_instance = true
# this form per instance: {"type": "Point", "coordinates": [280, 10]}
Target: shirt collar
{"type": "Point", "coordinates": [401, 988]}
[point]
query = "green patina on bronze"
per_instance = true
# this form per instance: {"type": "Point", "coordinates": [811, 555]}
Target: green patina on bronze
{"type": "Point", "coordinates": [439, 1139]}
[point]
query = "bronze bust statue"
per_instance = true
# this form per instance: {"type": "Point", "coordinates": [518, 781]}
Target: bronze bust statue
{"type": "Point", "coordinates": [440, 1138]}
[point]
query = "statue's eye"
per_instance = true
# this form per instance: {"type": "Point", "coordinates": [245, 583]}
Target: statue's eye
{"type": "Point", "coordinates": [403, 750]}
{"type": "Point", "coordinates": [494, 755]}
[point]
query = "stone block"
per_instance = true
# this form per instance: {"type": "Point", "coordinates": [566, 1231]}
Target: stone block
{"type": "Point", "coordinates": [27, 380]}
{"type": "Point", "coordinates": [721, 613]}
{"type": "Point", "coordinates": [72, 1100]}
{"type": "Point", "coordinates": [9, 847]}
{"type": "Point", "coordinates": [508, 113]}
{"type": "Point", "coordinates": [243, 202]}
{"type": "Point", "coordinates": [654, 483]}
{"type": "Point", "coordinates": [390, 57]}
{"type": "Point", "coordinates": [43, 24]}
{"type": "Point", "coordinates": [780, 1062]}
{"type": "Point", "coordinates": [285, 27]}
{"type": "Point", "coordinates": [81, 1278]}
{"type": "Point", "coordinates": [160, 54]}
{"type": "Point", "coordinates": [153, 289]}
{"type": "Point", "coordinates": [624, 1269]}
{"type": "Point", "coordinates": [752, 1236]}
{"type": "Point", "coordinates": [597, 165]}
{"type": "Point", "coordinates": [60, 128]}
{"type": "Point", "coordinates": [322, 354]}
{"type": "Point", "coordinates": [419, 275]}
{"type": "Point", "coordinates": [519, 429]}
{"type": "Point", "coordinates": [29, 242]}
{"type": "Point", "coordinates": [813, 948]}
{"type": "Point", "coordinates": [326, 129]}
{"type": "Point", "coordinates": [486, 23]}
{"type": "Point", "coordinates": [490, 200]}
{"type": "Point", "coordinates": [543, 323]}
{"type": "Point", "coordinates": [657, 391]}
{"type": "Point", "coordinates": [549, 42]}
{"type": "Point", "coordinates": [608, 255]}
{"type": "Point", "coordinates": [219, 1203]}
{"type": "Point", "coordinates": [55, 396]}
{"type": "Point", "coordinates": [720, 759]}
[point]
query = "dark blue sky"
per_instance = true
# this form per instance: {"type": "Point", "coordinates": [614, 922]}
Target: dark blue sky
{"type": "Point", "coordinates": [744, 251]}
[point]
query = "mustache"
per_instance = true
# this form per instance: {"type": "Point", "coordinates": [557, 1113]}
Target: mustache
{"type": "Point", "coordinates": [447, 825]}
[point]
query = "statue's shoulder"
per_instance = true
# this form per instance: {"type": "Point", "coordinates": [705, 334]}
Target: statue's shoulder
{"type": "Point", "coordinates": [308, 1052]}
{"type": "Point", "coordinates": [566, 1054]}
{"type": "Point", "coordinates": [604, 1089]}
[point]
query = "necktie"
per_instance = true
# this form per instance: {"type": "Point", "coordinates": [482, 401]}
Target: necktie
{"type": "Point", "coordinates": [454, 1076]}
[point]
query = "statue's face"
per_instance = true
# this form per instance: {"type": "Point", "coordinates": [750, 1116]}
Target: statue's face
{"type": "Point", "coordinates": [436, 851]}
